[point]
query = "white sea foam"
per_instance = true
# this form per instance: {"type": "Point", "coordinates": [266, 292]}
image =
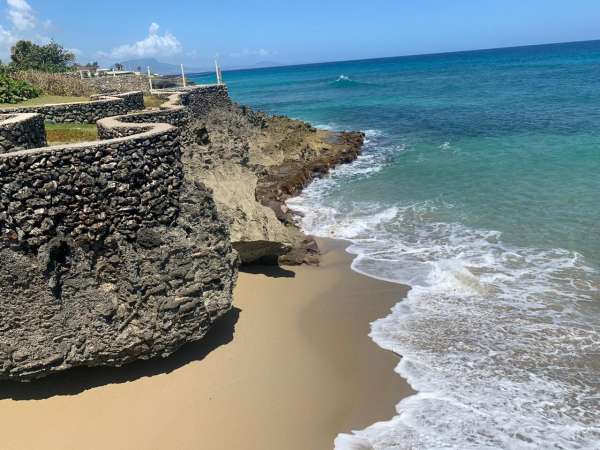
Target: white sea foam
{"type": "Point", "coordinates": [502, 343]}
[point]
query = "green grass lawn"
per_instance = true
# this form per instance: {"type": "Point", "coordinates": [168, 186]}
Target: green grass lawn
{"type": "Point", "coordinates": [69, 133]}
{"type": "Point", "coordinates": [45, 100]}
{"type": "Point", "coordinates": [153, 101]}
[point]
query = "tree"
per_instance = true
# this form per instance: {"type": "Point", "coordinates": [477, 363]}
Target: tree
{"type": "Point", "coordinates": [118, 67]}
{"type": "Point", "coordinates": [51, 57]}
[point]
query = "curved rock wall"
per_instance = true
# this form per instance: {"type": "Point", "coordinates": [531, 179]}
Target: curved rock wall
{"type": "Point", "coordinates": [85, 112]}
{"type": "Point", "coordinates": [171, 112]}
{"type": "Point", "coordinates": [201, 102]}
{"type": "Point", "coordinates": [88, 191]}
{"type": "Point", "coordinates": [107, 253]}
{"type": "Point", "coordinates": [21, 131]}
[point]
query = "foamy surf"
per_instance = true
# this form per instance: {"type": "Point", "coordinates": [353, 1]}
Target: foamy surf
{"type": "Point", "coordinates": [500, 342]}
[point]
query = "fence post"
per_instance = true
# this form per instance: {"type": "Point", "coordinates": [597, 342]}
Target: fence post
{"type": "Point", "coordinates": [150, 80]}
{"type": "Point", "coordinates": [183, 76]}
{"type": "Point", "coordinates": [218, 72]}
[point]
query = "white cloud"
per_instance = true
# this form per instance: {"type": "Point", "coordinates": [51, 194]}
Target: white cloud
{"type": "Point", "coordinates": [21, 15]}
{"type": "Point", "coordinates": [154, 27]}
{"type": "Point", "coordinates": [263, 53]}
{"type": "Point", "coordinates": [7, 38]}
{"type": "Point", "coordinates": [23, 25]}
{"type": "Point", "coordinates": [153, 45]}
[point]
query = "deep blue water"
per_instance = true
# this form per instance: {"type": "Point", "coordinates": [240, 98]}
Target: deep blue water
{"type": "Point", "coordinates": [479, 187]}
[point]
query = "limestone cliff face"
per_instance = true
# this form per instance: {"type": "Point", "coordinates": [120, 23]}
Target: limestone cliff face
{"type": "Point", "coordinates": [253, 162]}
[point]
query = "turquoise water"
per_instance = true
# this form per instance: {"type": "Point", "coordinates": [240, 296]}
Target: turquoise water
{"type": "Point", "coordinates": [479, 186]}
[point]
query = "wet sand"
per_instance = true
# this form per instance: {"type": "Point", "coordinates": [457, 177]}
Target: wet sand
{"type": "Point", "coordinates": [289, 368]}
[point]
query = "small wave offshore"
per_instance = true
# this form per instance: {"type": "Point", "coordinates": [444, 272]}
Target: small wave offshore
{"type": "Point", "coordinates": [501, 343]}
{"type": "Point", "coordinates": [345, 81]}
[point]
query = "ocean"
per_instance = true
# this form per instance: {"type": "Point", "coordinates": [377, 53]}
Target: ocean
{"type": "Point", "coordinates": [479, 186]}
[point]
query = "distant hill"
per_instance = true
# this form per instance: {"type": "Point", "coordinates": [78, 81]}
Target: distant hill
{"type": "Point", "coordinates": [158, 67]}
{"type": "Point", "coordinates": [162, 68]}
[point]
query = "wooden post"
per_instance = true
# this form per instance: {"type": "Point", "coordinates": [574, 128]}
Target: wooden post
{"type": "Point", "coordinates": [183, 76]}
{"type": "Point", "coordinates": [218, 72]}
{"type": "Point", "coordinates": [150, 80]}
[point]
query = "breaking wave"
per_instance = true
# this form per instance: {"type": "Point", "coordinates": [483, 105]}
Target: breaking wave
{"type": "Point", "coordinates": [501, 343]}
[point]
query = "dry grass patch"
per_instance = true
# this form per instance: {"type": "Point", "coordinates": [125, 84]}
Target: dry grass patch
{"type": "Point", "coordinates": [46, 100]}
{"type": "Point", "coordinates": [69, 133]}
{"type": "Point", "coordinates": [153, 101]}
{"type": "Point", "coordinates": [56, 83]}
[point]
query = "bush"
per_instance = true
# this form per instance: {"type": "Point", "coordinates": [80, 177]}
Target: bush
{"type": "Point", "coordinates": [15, 91]}
{"type": "Point", "coordinates": [55, 83]}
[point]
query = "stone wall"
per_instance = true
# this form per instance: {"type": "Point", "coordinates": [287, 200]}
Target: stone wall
{"type": "Point", "coordinates": [127, 181]}
{"type": "Point", "coordinates": [87, 191]}
{"type": "Point", "coordinates": [21, 131]}
{"type": "Point", "coordinates": [85, 112]}
{"type": "Point", "coordinates": [201, 101]}
{"type": "Point", "coordinates": [180, 105]}
{"type": "Point", "coordinates": [108, 254]}
{"type": "Point", "coordinates": [171, 111]}
{"type": "Point", "coordinates": [122, 83]}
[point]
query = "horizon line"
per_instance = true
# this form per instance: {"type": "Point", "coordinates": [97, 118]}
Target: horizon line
{"type": "Point", "coordinates": [411, 55]}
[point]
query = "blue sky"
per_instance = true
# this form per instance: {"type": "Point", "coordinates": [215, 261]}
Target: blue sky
{"type": "Point", "coordinates": [246, 32]}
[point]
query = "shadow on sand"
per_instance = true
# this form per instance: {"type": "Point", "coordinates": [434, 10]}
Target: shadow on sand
{"type": "Point", "coordinates": [78, 380]}
{"type": "Point", "coordinates": [268, 271]}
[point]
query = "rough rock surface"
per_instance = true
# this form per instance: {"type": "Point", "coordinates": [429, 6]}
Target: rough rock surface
{"type": "Point", "coordinates": [253, 163]}
{"type": "Point", "coordinates": [21, 132]}
{"type": "Point", "coordinates": [99, 107]}
{"type": "Point", "coordinates": [119, 300]}
{"type": "Point", "coordinates": [109, 252]}
{"type": "Point", "coordinates": [122, 250]}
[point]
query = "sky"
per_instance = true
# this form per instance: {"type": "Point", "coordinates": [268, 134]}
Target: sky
{"type": "Point", "coordinates": [248, 32]}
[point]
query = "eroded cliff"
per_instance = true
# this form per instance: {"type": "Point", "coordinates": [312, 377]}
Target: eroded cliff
{"type": "Point", "coordinates": [253, 163]}
{"type": "Point", "coordinates": [109, 252]}
{"type": "Point", "coordinates": [125, 248]}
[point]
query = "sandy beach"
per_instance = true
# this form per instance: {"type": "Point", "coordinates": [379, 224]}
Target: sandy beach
{"type": "Point", "coordinates": [290, 367]}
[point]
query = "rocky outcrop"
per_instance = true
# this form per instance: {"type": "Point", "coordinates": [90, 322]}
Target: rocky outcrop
{"type": "Point", "coordinates": [254, 162]}
{"type": "Point", "coordinates": [123, 249]}
{"type": "Point", "coordinates": [71, 304]}
{"type": "Point", "coordinates": [109, 251]}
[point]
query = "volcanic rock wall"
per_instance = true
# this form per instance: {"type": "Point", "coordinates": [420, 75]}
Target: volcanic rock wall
{"type": "Point", "coordinates": [21, 131]}
{"type": "Point", "coordinates": [100, 107]}
{"type": "Point", "coordinates": [87, 191]}
{"type": "Point", "coordinates": [121, 83]}
{"type": "Point", "coordinates": [107, 253]}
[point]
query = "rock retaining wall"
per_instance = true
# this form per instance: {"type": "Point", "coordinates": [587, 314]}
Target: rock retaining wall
{"type": "Point", "coordinates": [107, 254]}
{"type": "Point", "coordinates": [88, 191]}
{"type": "Point", "coordinates": [21, 131]}
{"type": "Point", "coordinates": [85, 112]}
{"type": "Point", "coordinates": [125, 182]}
{"type": "Point", "coordinates": [214, 96]}
{"type": "Point", "coordinates": [122, 83]}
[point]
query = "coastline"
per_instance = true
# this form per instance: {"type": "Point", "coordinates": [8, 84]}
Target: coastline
{"type": "Point", "coordinates": [291, 367]}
